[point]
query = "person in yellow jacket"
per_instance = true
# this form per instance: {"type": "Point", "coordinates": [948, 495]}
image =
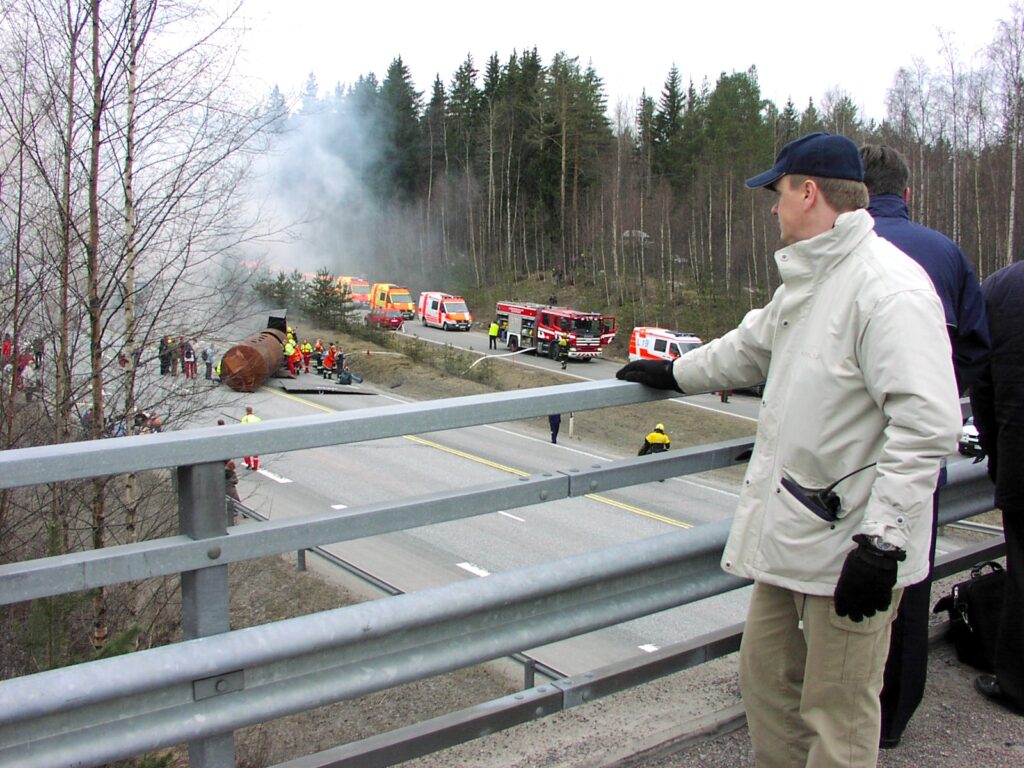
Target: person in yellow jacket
{"type": "Point", "coordinates": [655, 442]}
{"type": "Point", "coordinates": [307, 350]}
{"type": "Point", "coordinates": [289, 354]}
{"type": "Point", "coordinates": [251, 462]}
{"type": "Point", "coordinates": [563, 351]}
{"type": "Point", "coordinates": [492, 335]}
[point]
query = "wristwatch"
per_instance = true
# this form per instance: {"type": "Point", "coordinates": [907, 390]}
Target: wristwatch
{"type": "Point", "coordinates": [877, 542]}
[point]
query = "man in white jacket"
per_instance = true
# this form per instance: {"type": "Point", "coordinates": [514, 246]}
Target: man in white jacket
{"type": "Point", "coordinates": [859, 408]}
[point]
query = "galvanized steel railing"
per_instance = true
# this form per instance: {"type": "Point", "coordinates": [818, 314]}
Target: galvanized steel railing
{"type": "Point", "coordinates": [199, 691]}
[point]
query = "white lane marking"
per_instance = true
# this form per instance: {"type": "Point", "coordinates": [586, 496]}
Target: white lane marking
{"type": "Point", "coordinates": [648, 648]}
{"type": "Point", "coordinates": [546, 441]}
{"type": "Point", "coordinates": [272, 476]}
{"type": "Point", "coordinates": [506, 514]}
{"type": "Point", "coordinates": [680, 401]}
{"type": "Point", "coordinates": [706, 487]}
{"type": "Point", "coordinates": [339, 506]}
{"type": "Point", "coordinates": [598, 457]}
{"type": "Point", "coordinates": [476, 570]}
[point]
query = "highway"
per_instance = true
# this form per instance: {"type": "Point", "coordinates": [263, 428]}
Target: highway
{"type": "Point", "coordinates": [349, 476]}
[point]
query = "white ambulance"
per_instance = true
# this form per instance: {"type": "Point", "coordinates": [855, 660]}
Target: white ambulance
{"type": "Point", "coordinates": [649, 343]}
{"type": "Point", "coordinates": [443, 310]}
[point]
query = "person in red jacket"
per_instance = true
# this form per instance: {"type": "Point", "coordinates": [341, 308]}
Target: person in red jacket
{"type": "Point", "coordinates": [329, 357]}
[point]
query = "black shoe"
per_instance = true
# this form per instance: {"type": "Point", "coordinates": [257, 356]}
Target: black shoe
{"type": "Point", "coordinates": [988, 686]}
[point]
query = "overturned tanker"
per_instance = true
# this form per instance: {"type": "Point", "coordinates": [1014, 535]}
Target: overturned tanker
{"type": "Point", "coordinates": [249, 363]}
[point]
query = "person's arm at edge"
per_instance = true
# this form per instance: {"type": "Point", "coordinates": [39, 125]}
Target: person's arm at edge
{"type": "Point", "coordinates": [971, 342]}
{"type": "Point", "coordinates": [907, 360]}
{"type": "Point", "coordinates": [740, 358]}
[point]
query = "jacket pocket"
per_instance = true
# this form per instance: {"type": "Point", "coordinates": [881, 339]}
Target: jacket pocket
{"type": "Point", "coordinates": [820, 501]}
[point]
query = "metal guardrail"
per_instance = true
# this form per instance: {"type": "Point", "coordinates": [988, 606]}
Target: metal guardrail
{"type": "Point", "coordinates": [199, 691]}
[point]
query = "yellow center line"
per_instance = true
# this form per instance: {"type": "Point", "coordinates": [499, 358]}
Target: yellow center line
{"type": "Point", "coordinates": [464, 455]}
{"type": "Point", "coordinates": [638, 511]}
{"type": "Point", "coordinates": [495, 465]}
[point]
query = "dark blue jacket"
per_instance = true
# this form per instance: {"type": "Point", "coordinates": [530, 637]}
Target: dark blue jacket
{"type": "Point", "coordinates": [952, 276]}
{"type": "Point", "coordinates": [997, 398]}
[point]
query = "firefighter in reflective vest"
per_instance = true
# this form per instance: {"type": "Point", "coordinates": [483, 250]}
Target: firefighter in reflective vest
{"type": "Point", "coordinates": [307, 352]}
{"type": "Point", "coordinates": [327, 366]}
{"type": "Point", "coordinates": [563, 351]}
{"type": "Point", "coordinates": [656, 442]}
{"type": "Point", "coordinates": [318, 356]}
{"type": "Point", "coordinates": [289, 354]}
{"type": "Point", "coordinates": [251, 462]}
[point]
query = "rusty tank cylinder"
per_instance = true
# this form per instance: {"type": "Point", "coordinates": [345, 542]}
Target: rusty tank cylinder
{"type": "Point", "coordinates": [251, 362]}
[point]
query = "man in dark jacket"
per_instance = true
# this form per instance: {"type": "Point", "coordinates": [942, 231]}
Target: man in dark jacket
{"type": "Point", "coordinates": [997, 399]}
{"type": "Point", "coordinates": [888, 180]}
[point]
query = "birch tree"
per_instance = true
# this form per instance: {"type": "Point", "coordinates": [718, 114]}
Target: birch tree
{"type": "Point", "coordinates": [1007, 55]}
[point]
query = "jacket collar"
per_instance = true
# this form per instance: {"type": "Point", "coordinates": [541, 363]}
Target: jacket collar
{"type": "Point", "coordinates": [810, 259]}
{"type": "Point", "coordinates": [888, 207]}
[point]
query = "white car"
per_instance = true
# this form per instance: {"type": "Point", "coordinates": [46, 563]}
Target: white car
{"type": "Point", "coordinates": [969, 443]}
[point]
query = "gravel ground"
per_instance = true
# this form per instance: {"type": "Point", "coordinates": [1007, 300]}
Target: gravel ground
{"type": "Point", "coordinates": [953, 727]}
{"type": "Point", "coordinates": [695, 718]}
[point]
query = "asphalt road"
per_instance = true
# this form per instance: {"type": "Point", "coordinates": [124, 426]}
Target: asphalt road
{"type": "Point", "coordinates": [349, 476]}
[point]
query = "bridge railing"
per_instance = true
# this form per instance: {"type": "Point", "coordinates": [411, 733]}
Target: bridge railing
{"type": "Point", "coordinates": [217, 680]}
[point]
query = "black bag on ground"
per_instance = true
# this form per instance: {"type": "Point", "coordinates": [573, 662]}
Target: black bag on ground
{"type": "Point", "coordinates": [974, 607]}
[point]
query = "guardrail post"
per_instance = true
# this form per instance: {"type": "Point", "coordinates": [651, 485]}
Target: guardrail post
{"type": "Point", "coordinates": [204, 593]}
{"type": "Point", "coordinates": [300, 560]}
{"type": "Point", "coordinates": [529, 674]}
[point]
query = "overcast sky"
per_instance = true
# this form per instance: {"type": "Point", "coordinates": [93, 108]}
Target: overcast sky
{"type": "Point", "coordinates": [801, 50]}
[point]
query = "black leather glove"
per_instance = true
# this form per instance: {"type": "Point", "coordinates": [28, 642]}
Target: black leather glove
{"type": "Point", "coordinates": [867, 579]}
{"type": "Point", "coordinates": [653, 373]}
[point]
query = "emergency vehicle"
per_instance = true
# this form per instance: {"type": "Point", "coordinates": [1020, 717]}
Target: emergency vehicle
{"type": "Point", "coordinates": [358, 289]}
{"type": "Point", "coordinates": [524, 325]}
{"type": "Point", "coordinates": [649, 343]}
{"type": "Point", "coordinates": [390, 296]}
{"type": "Point", "coordinates": [443, 310]}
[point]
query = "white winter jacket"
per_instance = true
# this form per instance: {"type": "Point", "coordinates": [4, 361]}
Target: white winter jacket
{"type": "Point", "coordinates": [856, 358]}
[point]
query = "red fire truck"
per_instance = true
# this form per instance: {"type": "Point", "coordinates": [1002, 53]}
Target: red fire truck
{"type": "Point", "coordinates": [538, 327]}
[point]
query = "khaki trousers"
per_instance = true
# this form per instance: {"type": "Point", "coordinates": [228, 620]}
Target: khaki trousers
{"type": "Point", "coordinates": [811, 692]}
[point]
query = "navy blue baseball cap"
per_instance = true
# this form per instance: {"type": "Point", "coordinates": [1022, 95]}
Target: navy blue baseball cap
{"type": "Point", "coordinates": [825, 155]}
